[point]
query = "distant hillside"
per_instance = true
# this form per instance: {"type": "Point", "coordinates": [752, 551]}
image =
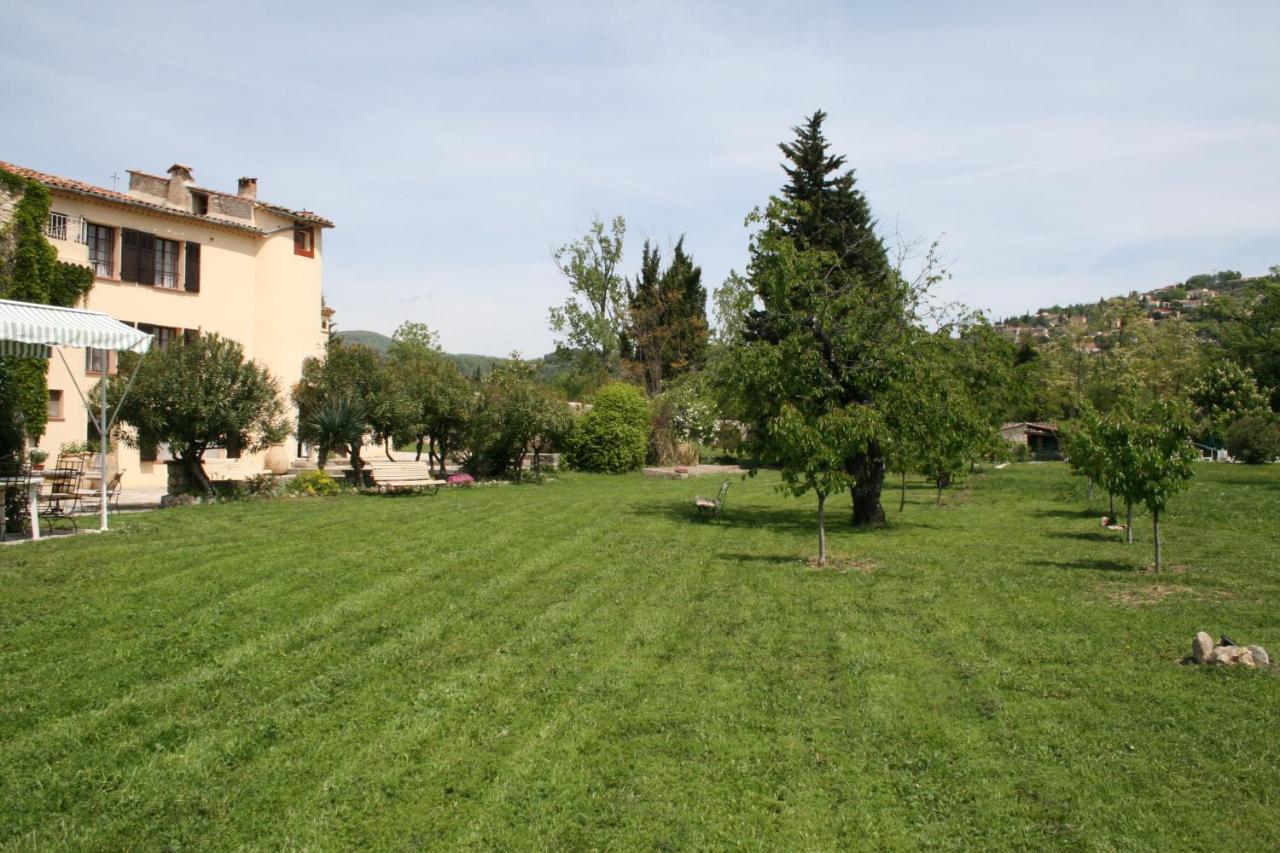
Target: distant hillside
{"type": "Point", "coordinates": [467, 362]}
{"type": "Point", "coordinates": [376, 340]}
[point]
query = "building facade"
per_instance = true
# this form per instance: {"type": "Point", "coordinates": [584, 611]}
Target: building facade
{"type": "Point", "coordinates": [178, 260]}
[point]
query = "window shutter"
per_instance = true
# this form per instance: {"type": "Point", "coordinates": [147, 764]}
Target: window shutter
{"type": "Point", "coordinates": [193, 268]}
{"type": "Point", "coordinates": [129, 254]}
{"type": "Point", "coordinates": [146, 259]}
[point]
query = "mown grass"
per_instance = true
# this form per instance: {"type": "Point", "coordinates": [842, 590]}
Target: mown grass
{"type": "Point", "coordinates": [582, 665]}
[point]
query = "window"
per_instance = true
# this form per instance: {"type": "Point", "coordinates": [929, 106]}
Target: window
{"type": "Point", "coordinates": [95, 360]}
{"type": "Point", "coordinates": [148, 259]}
{"type": "Point", "coordinates": [166, 264]}
{"type": "Point", "coordinates": [200, 203]}
{"type": "Point", "coordinates": [164, 335]}
{"type": "Point", "coordinates": [55, 405]}
{"type": "Point", "coordinates": [56, 227]}
{"type": "Point", "coordinates": [304, 242]}
{"type": "Point", "coordinates": [102, 249]}
{"type": "Point", "coordinates": [191, 281]}
{"type": "Point", "coordinates": [137, 256]}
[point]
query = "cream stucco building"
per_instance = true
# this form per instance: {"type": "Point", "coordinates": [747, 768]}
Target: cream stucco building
{"type": "Point", "coordinates": [176, 259]}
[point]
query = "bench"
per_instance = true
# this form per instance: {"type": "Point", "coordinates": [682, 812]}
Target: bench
{"type": "Point", "coordinates": [232, 470]}
{"type": "Point", "coordinates": [391, 477]}
{"type": "Point", "coordinates": [711, 507]}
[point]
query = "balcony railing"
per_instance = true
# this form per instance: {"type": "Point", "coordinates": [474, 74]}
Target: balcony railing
{"type": "Point", "coordinates": [67, 226]}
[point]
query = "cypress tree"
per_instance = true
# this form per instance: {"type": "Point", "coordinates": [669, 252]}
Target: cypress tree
{"type": "Point", "coordinates": [855, 314]}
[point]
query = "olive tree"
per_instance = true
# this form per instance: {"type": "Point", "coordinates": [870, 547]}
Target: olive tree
{"type": "Point", "coordinates": [199, 394]}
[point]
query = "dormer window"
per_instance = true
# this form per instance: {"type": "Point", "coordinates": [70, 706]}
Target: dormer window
{"type": "Point", "coordinates": [304, 241]}
{"type": "Point", "coordinates": [200, 203]}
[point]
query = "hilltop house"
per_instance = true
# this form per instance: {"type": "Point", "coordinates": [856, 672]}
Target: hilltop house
{"type": "Point", "coordinates": [175, 259]}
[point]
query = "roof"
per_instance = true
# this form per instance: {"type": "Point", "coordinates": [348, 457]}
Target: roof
{"type": "Point", "coordinates": [1033, 426]}
{"type": "Point", "coordinates": [80, 188]}
{"type": "Point", "coordinates": [28, 329]}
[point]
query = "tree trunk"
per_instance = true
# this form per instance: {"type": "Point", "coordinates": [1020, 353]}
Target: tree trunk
{"type": "Point", "coordinates": [939, 491]}
{"type": "Point", "coordinates": [867, 470]}
{"type": "Point", "coordinates": [1155, 524]}
{"type": "Point", "coordinates": [417, 457]}
{"type": "Point", "coordinates": [194, 465]}
{"type": "Point", "coordinates": [1090, 496]}
{"type": "Point", "coordinates": [1111, 503]}
{"type": "Point", "coordinates": [386, 448]}
{"type": "Point", "coordinates": [902, 501]}
{"type": "Point", "coordinates": [1128, 522]}
{"type": "Point", "coordinates": [357, 466]}
{"type": "Point", "coordinates": [822, 529]}
{"type": "Point", "coordinates": [440, 457]}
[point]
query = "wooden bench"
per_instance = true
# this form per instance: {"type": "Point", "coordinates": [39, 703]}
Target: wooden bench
{"type": "Point", "coordinates": [390, 477]}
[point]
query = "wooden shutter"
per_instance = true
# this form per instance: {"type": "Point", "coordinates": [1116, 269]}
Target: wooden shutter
{"type": "Point", "coordinates": [129, 254]}
{"type": "Point", "coordinates": [146, 258]}
{"type": "Point", "coordinates": [192, 282]}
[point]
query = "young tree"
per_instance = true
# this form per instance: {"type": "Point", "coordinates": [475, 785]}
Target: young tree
{"type": "Point", "coordinates": [591, 320]}
{"type": "Point", "coordinates": [1086, 450]}
{"type": "Point", "coordinates": [199, 394]}
{"type": "Point", "coordinates": [812, 450]}
{"type": "Point", "coordinates": [1148, 456]}
{"type": "Point", "coordinates": [1156, 462]}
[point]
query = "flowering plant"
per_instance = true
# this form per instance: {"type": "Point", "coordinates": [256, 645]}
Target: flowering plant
{"type": "Point", "coordinates": [460, 480]}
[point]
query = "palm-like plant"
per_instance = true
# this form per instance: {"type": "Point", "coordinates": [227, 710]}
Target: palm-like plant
{"type": "Point", "coordinates": [339, 422]}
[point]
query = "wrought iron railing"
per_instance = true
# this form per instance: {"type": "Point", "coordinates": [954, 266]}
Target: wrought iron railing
{"type": "Point", "coordinates": [67, 226]}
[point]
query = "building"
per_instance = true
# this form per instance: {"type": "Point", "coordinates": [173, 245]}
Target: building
{"type": "Point", "coordinates": [1040, 439]}
{"type": "Point", "coordinates": [178, 260]}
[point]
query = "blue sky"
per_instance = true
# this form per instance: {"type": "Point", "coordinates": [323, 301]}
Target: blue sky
{"type": "Point", "coordinates": [1063, 151]}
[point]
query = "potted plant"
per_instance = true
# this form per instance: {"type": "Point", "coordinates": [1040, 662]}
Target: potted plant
{"type": "Point", "coordinates": [37, 457]}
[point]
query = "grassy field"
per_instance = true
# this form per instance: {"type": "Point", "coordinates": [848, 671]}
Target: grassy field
{"type": "Point", "coordinates": [580, 664]}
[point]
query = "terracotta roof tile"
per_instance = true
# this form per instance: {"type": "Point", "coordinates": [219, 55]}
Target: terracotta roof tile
{"type": "Point", "coordinates": [81, 188]}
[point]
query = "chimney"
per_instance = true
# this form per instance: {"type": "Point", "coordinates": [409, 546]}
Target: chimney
{"type": "Point", "coordinates": [178, 194]}
{"type": "Point", "coordinates": [248, 188]}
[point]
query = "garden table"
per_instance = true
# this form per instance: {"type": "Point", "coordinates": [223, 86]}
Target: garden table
{"type": "Point", "coordinates": [33, 484]}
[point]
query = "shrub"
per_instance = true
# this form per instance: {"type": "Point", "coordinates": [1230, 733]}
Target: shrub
{"type": "Point", "coordinates": [613, 436]}
{"type": "Point", "coordinates": [313, 483]}
{"type": "Point", "coordinates": [460, 480]}
{"type": "Point", "coordinates": [1254, 439]}
{"type": "Point", "coordinates": [264, 485]}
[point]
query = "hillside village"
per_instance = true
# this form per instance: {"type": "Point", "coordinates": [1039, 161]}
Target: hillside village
{"type": "Point", "coordinates": [1186, 299]}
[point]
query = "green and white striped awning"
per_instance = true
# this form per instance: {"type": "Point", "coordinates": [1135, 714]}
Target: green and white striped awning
{"type": "Point", "coordinates": [30, 330]}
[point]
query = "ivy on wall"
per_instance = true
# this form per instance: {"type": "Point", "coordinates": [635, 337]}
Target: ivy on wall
{"type": "Point", "coordinates": [30, 272]}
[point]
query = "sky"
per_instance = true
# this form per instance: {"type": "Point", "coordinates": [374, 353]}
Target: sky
{"type": "Point", "coordinates": [1060, 151]}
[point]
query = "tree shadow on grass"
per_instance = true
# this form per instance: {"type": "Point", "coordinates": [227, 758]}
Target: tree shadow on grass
{"type": "Point", "coordinates": [769, 559]}
{"type": "Point", "coordinates": [1091, 565]}
{"type": "Point", "coordinates": [798, 519]}
{"type": "Point", "coordinates": [740, 517]}
{"type": "Point", "coordinates": [1083, 536]}
{"type": "Point", "coordinates": [1065, 513]}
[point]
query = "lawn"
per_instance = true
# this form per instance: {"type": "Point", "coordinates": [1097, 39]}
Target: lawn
{"type": "Point", "coordinates": [580, 665]}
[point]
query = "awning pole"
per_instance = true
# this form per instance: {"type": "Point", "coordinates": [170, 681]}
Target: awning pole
{"type": "Point", "coordinates": [102, 434]}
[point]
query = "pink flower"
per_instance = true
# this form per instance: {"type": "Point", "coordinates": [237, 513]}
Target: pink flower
{"type": "Point", "coordinates": [460, 480]}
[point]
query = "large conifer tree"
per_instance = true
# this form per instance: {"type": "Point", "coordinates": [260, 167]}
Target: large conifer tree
{"type": "Point", "coordinates": [828, 291]}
